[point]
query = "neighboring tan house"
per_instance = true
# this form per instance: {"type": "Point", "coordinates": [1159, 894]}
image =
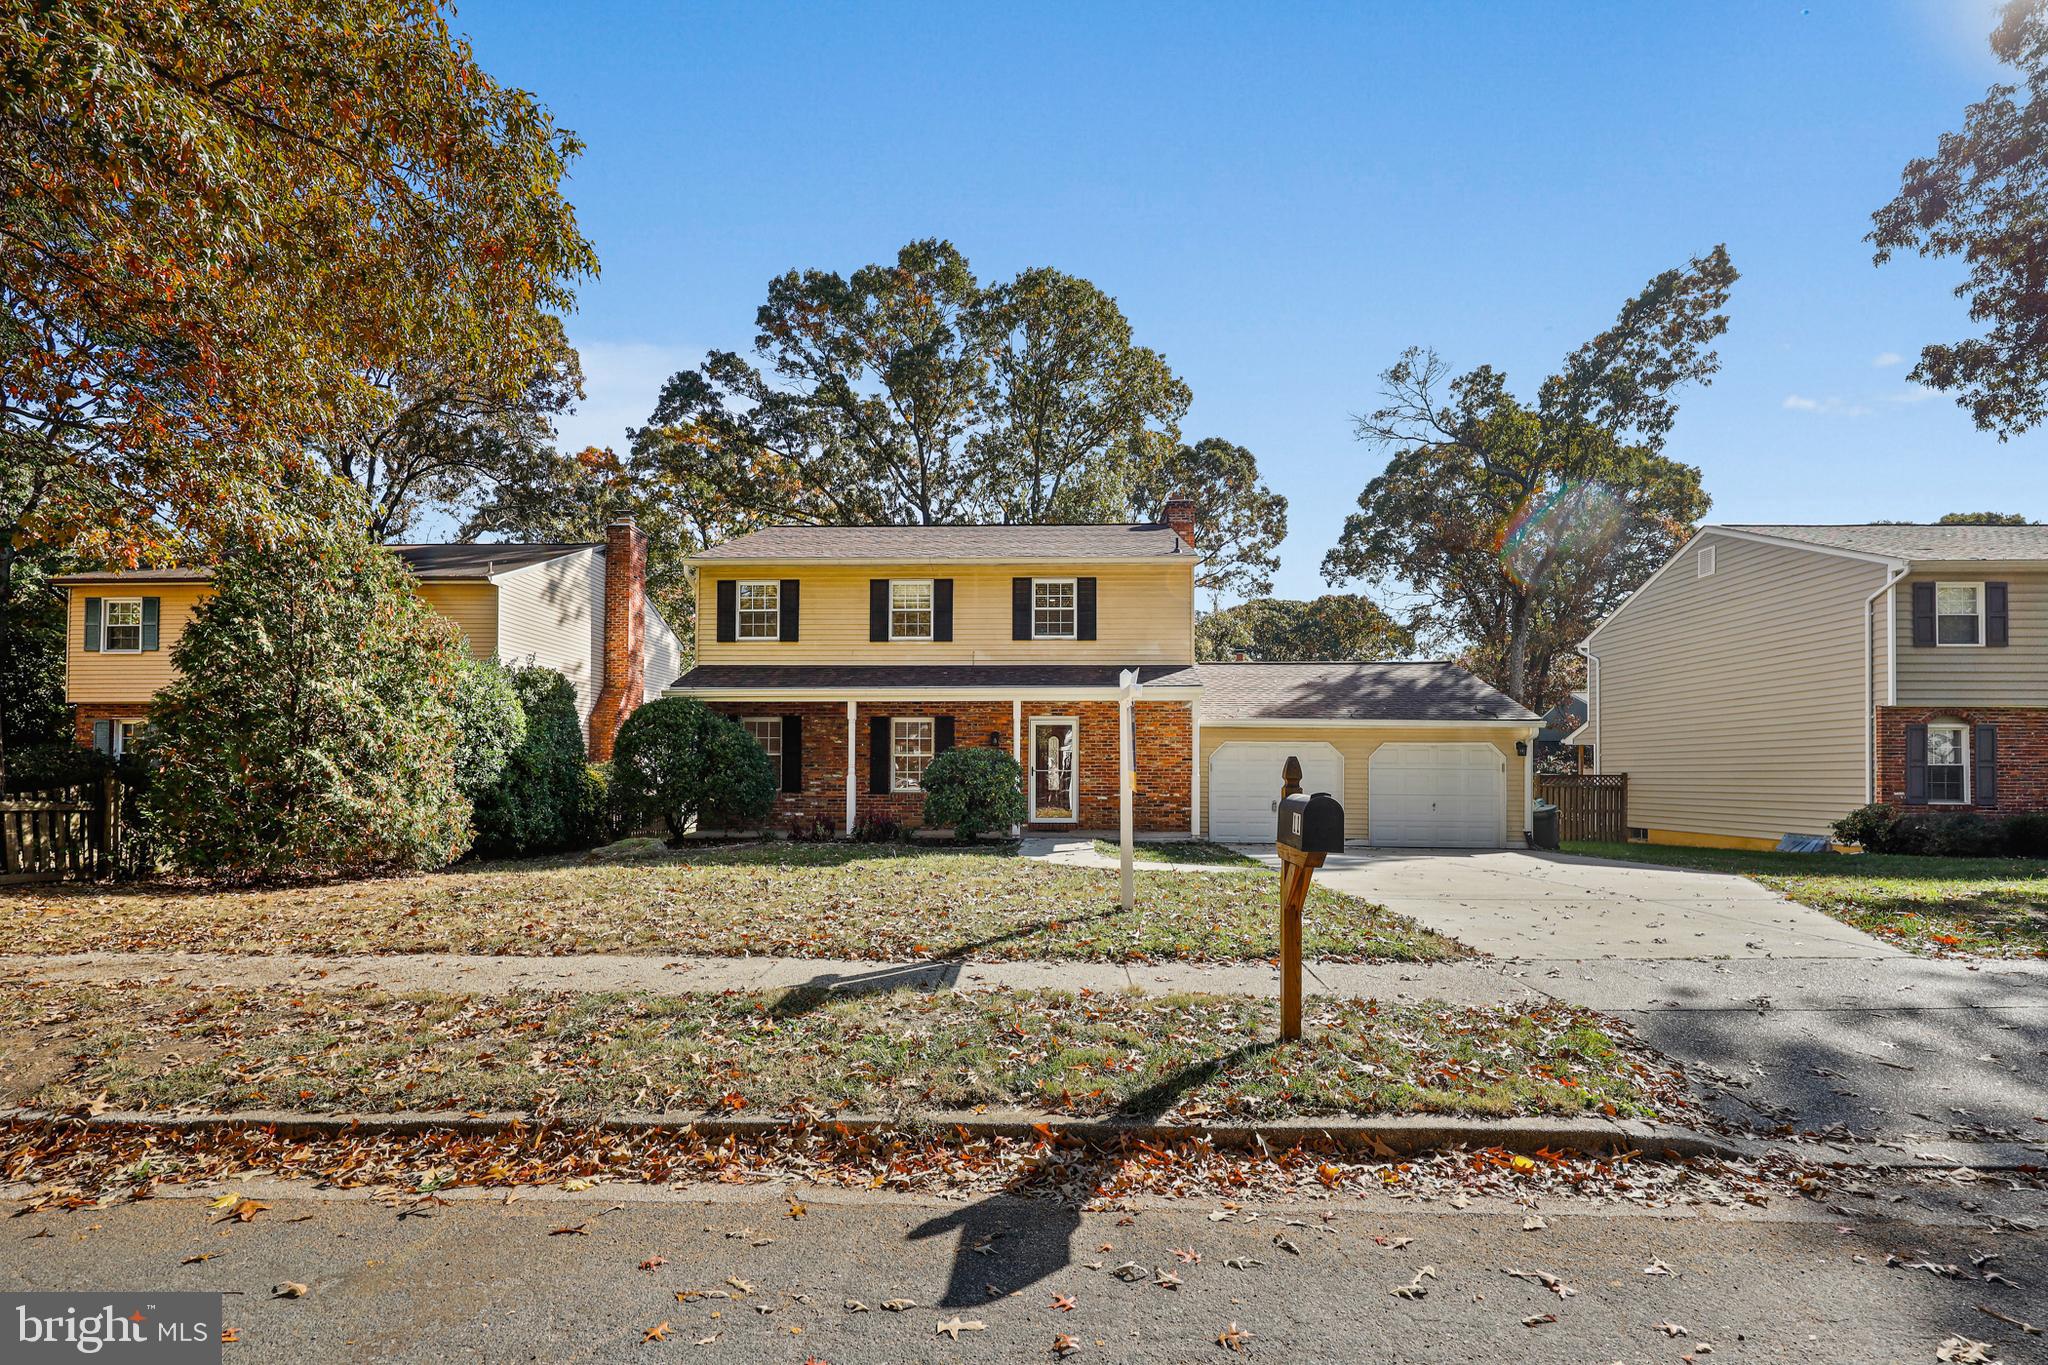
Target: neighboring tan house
{"type": "Point", "coordinates": [579, 609]}
{"type": "Point", "coordinates": [1768, 680]}
{"type": "Point", "coordinates": [1562, 742]}
{"type": "Point", "coordinates": [856, 654]}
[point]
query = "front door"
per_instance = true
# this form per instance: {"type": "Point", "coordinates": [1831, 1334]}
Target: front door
{"type": "Point", "coordinates": [1055, 775]}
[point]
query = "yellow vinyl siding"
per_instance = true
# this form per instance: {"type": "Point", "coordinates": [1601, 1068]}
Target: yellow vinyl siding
{"type": "Point", "coordinates": [1144, 613]}
{"type": "Point", "coordinates": [1735, 702]}
{"type": "Point", "coordinates": [1356, 744]}
{"type": "Point", "coordinates": [2015, 674]}
{"type": "Point", "coordinates": [97, 677]}
{"type": "Point", "coordinates": [473, 607]}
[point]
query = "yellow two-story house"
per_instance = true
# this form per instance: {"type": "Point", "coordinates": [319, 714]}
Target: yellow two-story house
{"type": "Point", "coordinates": [581, 609]}
{"type": "Point", "coordinates": [854, 655]}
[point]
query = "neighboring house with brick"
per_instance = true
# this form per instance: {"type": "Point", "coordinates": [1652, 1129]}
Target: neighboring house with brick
{"type": "Point", "coordinates": [854, 655]}
{"type": "Point", "coordinates": [1768, 680]}
{"type": "Point", "coordinates": [579, 609]}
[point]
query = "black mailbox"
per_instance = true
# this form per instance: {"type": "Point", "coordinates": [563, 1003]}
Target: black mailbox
{"type": "Point", "coordinates": [1313, 824]}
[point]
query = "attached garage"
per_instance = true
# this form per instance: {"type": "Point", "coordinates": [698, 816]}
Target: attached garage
{"type": "Point", "coordinates": [1421, 754]}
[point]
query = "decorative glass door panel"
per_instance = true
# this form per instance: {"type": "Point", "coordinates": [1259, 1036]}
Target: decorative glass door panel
{"type": "Point", "coordinates": [1055, 775]}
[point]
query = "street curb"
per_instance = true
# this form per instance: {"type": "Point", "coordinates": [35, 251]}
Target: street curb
{"type": "Point", "coordinates": [1397, 1135]}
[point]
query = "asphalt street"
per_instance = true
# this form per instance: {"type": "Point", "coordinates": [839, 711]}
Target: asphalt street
{"type": "Point", "coordinates": [480, 1279]}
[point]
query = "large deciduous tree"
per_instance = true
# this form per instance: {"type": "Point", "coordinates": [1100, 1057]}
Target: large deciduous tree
{"type": "Point", "coordinates": [1335, 626]}
{"type": "Point", "coordinates": [219, 221]}
{"type": "Point", "coordinates": [1983, 196]}
{"type": "Point", "coordinates": [1239, 521]}
{"type": "Point", "coordinates": [1518, 525]}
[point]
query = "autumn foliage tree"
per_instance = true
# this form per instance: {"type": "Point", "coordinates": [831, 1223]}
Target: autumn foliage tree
{"type": "Point", "coordinates": [1514, 524]}
{"type": "Point", "coordinates": [219, 221]}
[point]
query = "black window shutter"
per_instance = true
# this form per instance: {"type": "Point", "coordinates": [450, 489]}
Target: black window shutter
{"type": "Point", "coordinates": [1984, 746]}
{"type": "Point", "coordinates": [1084, 609]}
{"type": "Point", "coordinates": [788, 601]}
{"type": "Point", "coordinates": [1020, 609]}
{"type": "Point", "coordinates": [792, 753]}
{"type": "Point", "coordinates": [878, 609]}
{"type": "Point", "coordinates": [1995, 629]}
{"type": "Point", "coordinates": [942, 608]}
{"type": "Point", "coordinates": [728, 611]}
{"type": "Point", "coordinates": [152, 614]}
{"type": "Point", "coordinates": [878, 755]}
{"type": "Point", "coordinates": [92, 625]}
{"type": "Point", "coordinates": [1916, 764]}
{"type": "Point", "coordinates": [1923, 613]}
{"type": "Point", "coordinates": [942, 734]}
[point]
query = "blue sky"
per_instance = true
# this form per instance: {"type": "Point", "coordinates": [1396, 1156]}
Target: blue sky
{"type": "Point", "coordinates": [1283, 197]}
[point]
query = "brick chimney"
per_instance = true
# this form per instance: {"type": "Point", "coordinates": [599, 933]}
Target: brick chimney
{"type": "Point", "coordinates": [1180, 515]}
{"type": "Point", "coordinates": [625, 635]}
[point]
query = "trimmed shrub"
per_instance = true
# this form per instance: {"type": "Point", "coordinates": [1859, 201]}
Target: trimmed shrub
{"type": "Point", "coordinates": [309, 729]}
{"type": "Point", "coordinates": [1963, 835]}
{"type": "Point", "coordinates": [490, 721]}
{"type": "Point", "coordinates": [44, 766]}
{"type": "Point", "coordinates": [974, 790]}
{"type": "Point", "coordinates": [595, 817]}
{"type": "Point", "coordinates": [536, 803]}
{"type": "Point", "coordinates": [1870, 826]}
{"type": "Point", "coordinates": [675, 760]}
{"type": "Point", "coordinates": [2026, 836]}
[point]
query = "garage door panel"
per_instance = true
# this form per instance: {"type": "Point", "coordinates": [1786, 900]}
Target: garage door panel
{"type": "Point", "coordinates": [1437, 796]}
{"type": "Point", "coordinates": [1243, 784]}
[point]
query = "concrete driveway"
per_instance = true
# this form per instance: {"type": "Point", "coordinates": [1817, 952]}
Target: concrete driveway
{"type": "Point", "coordinates": [1543, 906]}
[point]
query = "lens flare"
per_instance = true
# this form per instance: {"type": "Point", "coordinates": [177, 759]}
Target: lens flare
{"type": "Point", "coordinates": [1565, 524]}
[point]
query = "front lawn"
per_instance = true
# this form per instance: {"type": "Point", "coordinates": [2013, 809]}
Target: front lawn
{"type": "Point", "coordinates": [893, 1053]}
{"type": "Point", "coordinates": [775, 899]}
{"type": "Point", "coordinates": [1944, 907]}
{"type": "Point", "coordinates": [1180, 851]}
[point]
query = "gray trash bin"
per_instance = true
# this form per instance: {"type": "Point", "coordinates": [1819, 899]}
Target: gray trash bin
{"type": "Point", "coordinates": [1544, 821]}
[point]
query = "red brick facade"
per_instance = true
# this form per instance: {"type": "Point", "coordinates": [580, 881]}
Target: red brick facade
{"type": "Point", "coordinates": [1165, 746]}
{"type": "Point", "coordinates": [2022, 759]}
{"type": "Point", "coordinates": [85, 713]}
{"type": "Point", "coordinates": [624, 676]}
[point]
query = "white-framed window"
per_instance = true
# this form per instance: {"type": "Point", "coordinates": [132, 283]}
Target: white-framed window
{"type": "Point", "coordinates": [760, 610]}
{"type": "Point", "coordinates": [1948, 764]}
{"type": "Point", "coordinates": [121, 625]}
{"type": "Point", "coordinates": [910, 752]}
{"type": "Point", "coordinates": [1707, 561]}
{"type": "Point", "coordinates": [767, 732]}
{"type": "Point", "coordinates": [1052, 608]}
{"type": "Point", "coordinates": [910, 609]}
{"type": "Point", "coordinates": [1958, 613]}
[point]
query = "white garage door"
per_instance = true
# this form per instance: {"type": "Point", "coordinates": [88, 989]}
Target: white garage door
{"type": "Point", "coordinates": [1437, 796]}
{"type": "Point", "coordinates": [1244, 786]}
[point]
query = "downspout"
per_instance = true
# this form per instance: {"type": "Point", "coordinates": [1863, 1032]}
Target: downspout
{"type": "Point", "coordinates": [1897, 572]}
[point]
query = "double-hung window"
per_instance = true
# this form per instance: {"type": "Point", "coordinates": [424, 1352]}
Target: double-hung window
{"type": "Point", "coordinates": [122, 631]}
{"type": "Point", "coordinates": [1948, 764]}
{"type": "Point", "coordinates": [1052, 608]}
{"type": "Point", "coordinates": [767, 732]}
{"type": "Point", "coordinates": [760, 610]}
{"type": "Point", "coordinates": [910, 609]}
{"type": "Point", "coordinates": [1959, 613]}
{"type": "Point", "coordinates": [910, 752]}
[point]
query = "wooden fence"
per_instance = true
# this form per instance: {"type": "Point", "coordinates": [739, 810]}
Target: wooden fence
{"type": "Point", "coordinates": [60, 832]}
{"type": "Point", "coordinates": [1589, 806]}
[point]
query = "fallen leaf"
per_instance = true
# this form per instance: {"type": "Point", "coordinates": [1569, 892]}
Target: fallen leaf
{"type": "Point", "coordinates": [291, 1289]}
{"type": "Point", "coordinates": [1064, 1345]}
{"type": "Point", "coordinates": [1960, 1350]}
{"type": "Point", "coordinates": [1186, 1256]}
{"type": "Point", "coordinates": [739, 1284]}
{"type": "Point", "coordinates": [1415, 1288]}
{"type": "Point", "coordinates": [1129, 1271]}
{"type": "Point", "coordinates": [1657, 1268]}
{"type": "Point", "coordinates": [573, 1230]}
{"type": "Point", "coordinates": [899, 1305]}
{"type": "Point", "coordinates": [230, 1335]}
{"type": "Point", "coordinates": [1243, 1262]}
{"type": "Point", "coordinates": [953, 1327]}
{"type": "Point", "coordinates": [1544, 1278]}
{"type": "Point", "coordinates": [1286, 1245]}
{"type": "Point", "coordinates": [1672, 1329]}
{"type": "Point", "coordinates": [706, 1341]}
{"type": "Point", "coordinates": [1063, 1302]}
{"type": "Point", "coordinates": [1538, 1319]}
{"type": "Point", "coordinates": [856, 1306]}
{"type": "Point", "coordinates": [1533, 1222]}
{"type": "Point", "coordinates": [653, 1261]}
{"type": "Point", "coordinates": [2026, 1327]}
{"type": "Point", "coordinates": [1166, 1279]}
{"type": "Point", "coordinates": [199, 1256]}
{"type": "Point", "coordinates": [658, 1332]}
{"type": "Point", "coordinates": [1233, 1337]}
{"type": "Point", "coordinates": [796, 1207]}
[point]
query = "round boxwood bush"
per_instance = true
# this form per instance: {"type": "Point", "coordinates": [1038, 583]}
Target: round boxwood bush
{"type": "Point", "coordinates": [976, 791]}
{"type": "Point", "coordinates": [490, 721]}
{"type": "Point", "coordinates": [691, 767]}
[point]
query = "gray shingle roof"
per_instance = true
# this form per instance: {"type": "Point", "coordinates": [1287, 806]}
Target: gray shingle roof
{"type": "Point", "coordinates": [910, 544]}
{"type": "Point", "coordinates": [426, 561]}
{"type": "Point", "coordinates": [884, 677]}
{"type": "Point", "coordinates": [1423, 691]}
{"type": "Point", "coordinates": [1918, 541]}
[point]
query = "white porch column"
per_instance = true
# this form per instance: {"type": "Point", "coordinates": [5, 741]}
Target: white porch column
{"type": "Point", "coordinates": [851, 766]}
{"type": "Point", "coordinates": [1195, 771]}
{"type": "Point", "coordinates": [1124, 753]}
{"type": "Point", "coordinates": [1017, 752]}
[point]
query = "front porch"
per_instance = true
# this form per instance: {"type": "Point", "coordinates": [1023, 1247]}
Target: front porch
{"type": "Point", "coordinates": [854, 763]}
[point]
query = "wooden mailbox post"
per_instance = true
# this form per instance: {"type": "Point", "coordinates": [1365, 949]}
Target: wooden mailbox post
{"type": "Point", "coordinates": [1311, 827]}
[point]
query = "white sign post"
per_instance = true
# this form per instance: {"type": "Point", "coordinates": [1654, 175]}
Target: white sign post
{"type": "Point", "coordinates": [1127, 766]}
